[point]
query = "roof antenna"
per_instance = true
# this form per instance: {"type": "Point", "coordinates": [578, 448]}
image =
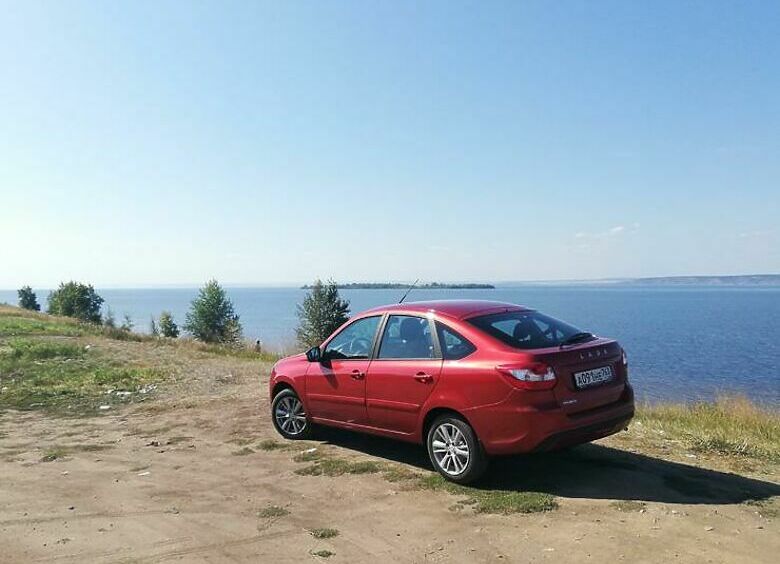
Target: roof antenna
{"type": "Point", "coordinates": [409, 290]}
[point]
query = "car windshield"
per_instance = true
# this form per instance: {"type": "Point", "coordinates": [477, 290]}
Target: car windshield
{"type": "Point", "coordinates": [527, 329]}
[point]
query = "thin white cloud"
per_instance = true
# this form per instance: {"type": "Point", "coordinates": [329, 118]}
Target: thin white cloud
{"type": "Point", "coordinates": [757, 234]}
{"type": "Point", "coordinates": [615, 231]}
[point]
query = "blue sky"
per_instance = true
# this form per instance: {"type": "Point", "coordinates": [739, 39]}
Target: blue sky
{"type": "Point", "coordinates": [151, 143]}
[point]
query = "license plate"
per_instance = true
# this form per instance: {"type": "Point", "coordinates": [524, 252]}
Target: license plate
{"type": "Point", "coordinates": [593, 377]}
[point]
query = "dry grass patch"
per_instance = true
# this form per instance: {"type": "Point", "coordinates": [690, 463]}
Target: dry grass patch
{"type": "Point", "coordinates": [272, 511]}
{"type": "Point", "coordinates": [324, 533]}
{"type": "Point", "coordinates": [628, 505]}
{"type": "Point", "coordinates": [272, 444]}
{"type": "Point", "coordinates": [492, 500]}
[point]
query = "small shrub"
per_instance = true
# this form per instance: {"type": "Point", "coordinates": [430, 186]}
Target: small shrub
{"type": "Point", "coordinates": [212, 318]}
{"type": "Point", "coordinates": [168, 327]}
{"type": "Point", "coordinates": [324, 553]}
{"type": "Point", "coordinates": [127, 324]}
{"type": "Point", "coordinates": [28, 299]}
{"type": "Point", "coordinates": [73, 299]}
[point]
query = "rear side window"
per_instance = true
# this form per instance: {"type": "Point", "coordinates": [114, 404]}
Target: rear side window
{"type": "Point", "coordinates": [406, 337]}
{"type": "Point", "coordinates": [525, 329]}
{"type": "Point", "coordinates": [453, 345]}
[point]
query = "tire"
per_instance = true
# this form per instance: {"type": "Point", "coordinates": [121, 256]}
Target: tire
{"type": "Point", "coordinates": [289, 417]}
{"type": "Point", "coordinates": [457, 453]}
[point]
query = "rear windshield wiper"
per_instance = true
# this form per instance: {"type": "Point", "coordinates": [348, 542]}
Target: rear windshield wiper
{"type": "Point", "coordinates": [576, 338]}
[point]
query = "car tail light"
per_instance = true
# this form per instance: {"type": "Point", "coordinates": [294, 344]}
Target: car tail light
{"type": "Point", "coordinates": [625, 364]}
{"type": "Point", "coordinates": [534, 376]}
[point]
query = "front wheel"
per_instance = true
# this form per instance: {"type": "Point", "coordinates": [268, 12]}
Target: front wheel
{"type": "Point", "coordinates": [289, 417]}
{"type": "Point", "coordinates": [455, 450]}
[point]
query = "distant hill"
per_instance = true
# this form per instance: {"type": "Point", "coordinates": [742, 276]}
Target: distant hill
{"type": "Point", "coordinates": [398, 286]}
{"type": "Point", "coordinates": [741, 280]}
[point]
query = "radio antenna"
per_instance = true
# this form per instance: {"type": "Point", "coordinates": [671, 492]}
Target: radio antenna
{"type": "Point", "coordinates": [409, 290]}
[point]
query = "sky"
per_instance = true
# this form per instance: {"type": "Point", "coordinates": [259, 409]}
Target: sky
{"type": "Point", "coordinates": [166, 143]}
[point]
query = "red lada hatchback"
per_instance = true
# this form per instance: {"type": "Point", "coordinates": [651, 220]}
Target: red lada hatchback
{"type": "Point", "coordinates": [470, 379]}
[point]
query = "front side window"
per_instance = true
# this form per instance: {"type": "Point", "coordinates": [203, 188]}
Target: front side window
{"type": "Point", "coordinates": [406, 337]}
{"type": "Point", "coordinates": [526, 329]}
{"type": "Point", "coordinates": [453, 345]}
{"type": "Point", "coordinates": [355, 340]}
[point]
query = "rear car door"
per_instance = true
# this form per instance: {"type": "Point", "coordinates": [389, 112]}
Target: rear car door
{"type": "Point", "coordinates": [336, 386]}
{"type": "Point", "coordinates": [403, 374]}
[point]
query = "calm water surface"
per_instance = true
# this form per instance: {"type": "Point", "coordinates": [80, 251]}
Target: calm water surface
{"type": "Point", "coordinates": [684, 343]}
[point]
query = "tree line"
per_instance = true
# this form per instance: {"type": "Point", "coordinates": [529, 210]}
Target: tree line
{"type": "Point", "coordinates": [211, 318]}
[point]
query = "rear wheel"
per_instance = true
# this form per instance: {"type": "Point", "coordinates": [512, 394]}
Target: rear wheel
{"type": "Point", "coordinates": [289, 417]}
{"type": "Point", "coordinates": [455, 451]}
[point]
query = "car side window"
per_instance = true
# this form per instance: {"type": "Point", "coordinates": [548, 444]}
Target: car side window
{"type": "Point", "coordinates": [406, 336]}
{"type": "Point", "coordinates": [354, 342]}
{"type": "Point", "coordinates": [454, 346]}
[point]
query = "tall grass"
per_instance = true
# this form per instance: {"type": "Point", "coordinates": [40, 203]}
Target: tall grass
{"type": "Point", "coordinates": [729, 426]}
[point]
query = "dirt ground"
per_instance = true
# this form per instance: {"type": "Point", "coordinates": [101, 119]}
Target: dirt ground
{"type": "Point", "coordinates": [181, 478]}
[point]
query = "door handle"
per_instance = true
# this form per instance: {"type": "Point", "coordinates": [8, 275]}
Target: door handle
{"type": "Point", "coordinates": [423, 377]}
{"type": "Point", "coordinates": [357, 375]}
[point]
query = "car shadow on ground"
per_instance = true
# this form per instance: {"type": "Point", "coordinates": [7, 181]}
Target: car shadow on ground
{"type": "Point", "coordinates": [587, 471]}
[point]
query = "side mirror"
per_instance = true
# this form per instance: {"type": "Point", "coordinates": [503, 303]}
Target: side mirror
{"type": "Point", "coordinates": [314, 354]}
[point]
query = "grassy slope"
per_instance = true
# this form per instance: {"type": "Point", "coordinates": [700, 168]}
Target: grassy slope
{"type": "Point", "coordinates": [67, 367]}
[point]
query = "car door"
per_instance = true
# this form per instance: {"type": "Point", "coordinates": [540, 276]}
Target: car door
{"type": "Point", "coordinates": [336, 386]}
{"type": "Point", "coordinates": [403, 373]}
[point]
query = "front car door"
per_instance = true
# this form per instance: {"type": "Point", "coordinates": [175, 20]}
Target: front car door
{"type": "Point", "coordinates": [403, 374]}
{"type": "Point", "coordinates": [336, 386]}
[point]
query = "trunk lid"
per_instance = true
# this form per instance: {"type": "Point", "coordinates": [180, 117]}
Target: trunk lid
{"type": "Point", "coordinates": [590, 356]}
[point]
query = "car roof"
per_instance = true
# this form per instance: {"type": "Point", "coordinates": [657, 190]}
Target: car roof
{"type": "Point", "coordinates": [457, 309]}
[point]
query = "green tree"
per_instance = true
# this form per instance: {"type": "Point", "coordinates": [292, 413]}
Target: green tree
{"type": "Point", "coordinates": [212, 318]}
{"type": "Point", "coordinates": [28, 299]}
{"type": "Point", "coordinates": [73, 299]}
{"type": "Point", "coordinates": [168, 327]}
{"type": "Point", "coordinates": [321, 313]}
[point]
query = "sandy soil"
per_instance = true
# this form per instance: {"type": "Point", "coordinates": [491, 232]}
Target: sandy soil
{"type": "Point", "coordinates": [174, 480]}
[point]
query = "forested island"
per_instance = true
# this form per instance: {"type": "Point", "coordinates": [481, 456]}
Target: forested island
{"type": "Point", "coordinates": [400, 286]}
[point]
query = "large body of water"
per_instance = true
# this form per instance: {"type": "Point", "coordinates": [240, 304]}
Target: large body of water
{"type": "Point", "coordinates": [683, 343]}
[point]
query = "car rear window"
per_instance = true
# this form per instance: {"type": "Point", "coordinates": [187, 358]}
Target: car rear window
{"type": "Point", "coordinates": [525, 329]}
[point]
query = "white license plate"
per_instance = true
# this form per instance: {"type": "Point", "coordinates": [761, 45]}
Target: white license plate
{"type": "Point", "coordinates": [593, 377]}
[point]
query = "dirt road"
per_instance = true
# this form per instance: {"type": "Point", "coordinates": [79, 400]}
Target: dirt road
{"type": "Point", "coordinates": [188, 478]}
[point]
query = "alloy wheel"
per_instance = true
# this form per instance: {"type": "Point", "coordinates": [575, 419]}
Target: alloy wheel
{"type": "Point", "coordinates": [450, 449]}
{"type": "Point", "coordinates": [290, 416]}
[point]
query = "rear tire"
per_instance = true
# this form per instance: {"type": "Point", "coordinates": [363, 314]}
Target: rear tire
{"type": "Point", "coordinates": [289, 417]}
{"type": "Point", "coordinates": [455, 450]}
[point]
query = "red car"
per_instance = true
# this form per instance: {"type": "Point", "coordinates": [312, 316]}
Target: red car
{"type": "Point", "coordinates": [468, 378]}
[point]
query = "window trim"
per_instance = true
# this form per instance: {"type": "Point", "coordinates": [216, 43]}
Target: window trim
{"type": "Point", "coordinates": [371, 350]}
{"type": "Point", "coordinates": [431, 328]}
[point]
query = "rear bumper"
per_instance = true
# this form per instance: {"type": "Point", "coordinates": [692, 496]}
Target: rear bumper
{"type": "Point", "coordinates": [509, 428]}
{"type": "Point", "coordinates": [584, 434]}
